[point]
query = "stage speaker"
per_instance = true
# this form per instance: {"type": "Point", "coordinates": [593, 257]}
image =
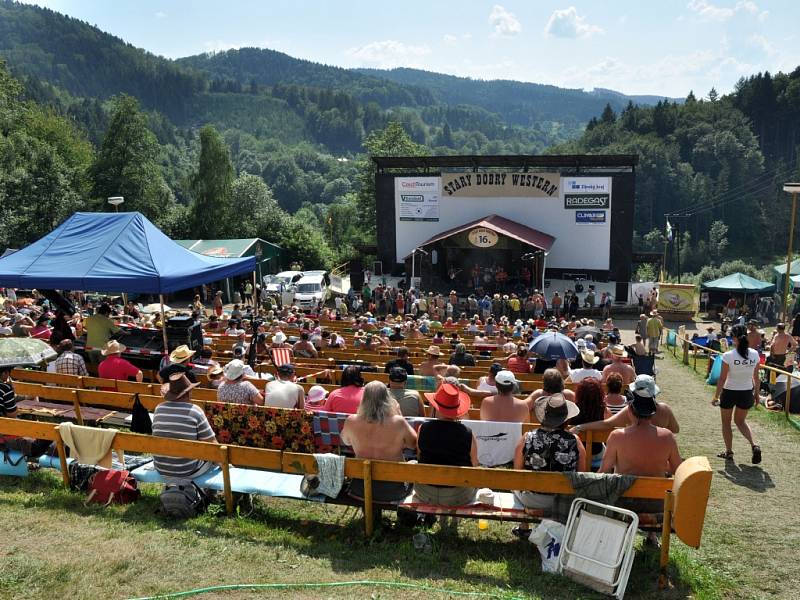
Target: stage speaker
{"type": "Point", "coordinates": [356, 274]}
{"type": "Point", "coordinates": [621, 293]}
{"type": "Point", "coordinates": [183, 330]}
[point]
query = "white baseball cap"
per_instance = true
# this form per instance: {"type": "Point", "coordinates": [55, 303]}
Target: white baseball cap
{"type": "Point", "coordinates": [505, 378]}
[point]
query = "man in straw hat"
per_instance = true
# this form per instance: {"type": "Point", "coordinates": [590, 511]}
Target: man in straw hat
{"type": "Point", "coordinates": [446, 441]}
{"type": "Point", "coordinates": [432, 365]}
{"type": "Point", "coordinates": [617, 353]}
{"type": "Point", "coordinates": [178, 418]}
{"type": "Point", "coordinates": [116, 367]}
{"type": "Point", "coordinates": [177, 362]}
{"type": "Point", "coordinates": [548, 448]}
{"type": "Point", "coordinates": [588, 361]}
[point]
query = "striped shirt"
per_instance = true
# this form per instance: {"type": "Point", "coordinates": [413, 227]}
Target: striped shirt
{"type": "Point", "coordinates": [8, 403]}
{"type": "Point", "coordinates": [615, 408]}
{"type": "Point", "coordinates": [183, 421]}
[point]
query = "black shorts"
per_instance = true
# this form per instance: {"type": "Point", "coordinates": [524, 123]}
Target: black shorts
{"type": "Point", "coordinates": [739, 398]}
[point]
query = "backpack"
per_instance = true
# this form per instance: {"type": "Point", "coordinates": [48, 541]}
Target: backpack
{"type": "Point", "coordinates": [107, 487]}
{"type": "Point", "coordinates": [183, 500]}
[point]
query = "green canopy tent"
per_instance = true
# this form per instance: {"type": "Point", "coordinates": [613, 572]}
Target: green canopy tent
{"type": "Point", "coordinates": [780, 272]}
{"type": "Point", "coordinates": [735, 283]}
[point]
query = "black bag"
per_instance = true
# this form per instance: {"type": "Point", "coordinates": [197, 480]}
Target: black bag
{"type": "Point", "coordinates": [140, 418]}
{"type": "Point", "coordinates": [183, 500]}
{"type": "Point", "coordinates": [80, 476]}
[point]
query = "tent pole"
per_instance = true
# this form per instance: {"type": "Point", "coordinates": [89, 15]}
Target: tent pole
{"type": "Point", "coordinates": [163, 323]}
{"type": "Point", "coordinates": [254, 295]}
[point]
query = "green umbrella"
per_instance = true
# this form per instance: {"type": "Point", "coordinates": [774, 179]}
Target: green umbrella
{"type": "Point", "coordinates": [24, 351]}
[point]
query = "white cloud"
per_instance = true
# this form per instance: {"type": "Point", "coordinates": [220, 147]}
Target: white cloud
{"type": "Point", "coordinates": [762, 43]}
{"type": "Point", "coordinates": [567, 23]}
{"type": "Point", "coordinates": [388, 54]}
{"type": "Point", "coordinates": [504, 23]}
{"type": "Point", "coordinates": [711, 12]}
{"type": "Point", "coordinates": [449, 38]}
{"type": "Point", "coordinates": [161, 15]}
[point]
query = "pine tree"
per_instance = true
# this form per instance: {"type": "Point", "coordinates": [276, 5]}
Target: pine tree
{"type": "Point", "coordinates": [212, 186]}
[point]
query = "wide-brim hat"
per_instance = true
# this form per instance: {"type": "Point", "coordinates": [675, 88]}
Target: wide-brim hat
{"type": "Point", "coordinates": [316, 395]}
{"type": "Point", "coordinates": [279, 338]}
{"type": "Point", "coordinates": [113, 347]}
{"type": "Point", "coordinates": [178, 387]}
{"type": "Point", "coordinates": [433, 351]}
{"type": "Point", "coordinates": [214, 371]}
{"type": "Point", "coordinates": [181, 354]}
{"type": "Point", "coordinates": [589, 357]}
{"type": "Point", "coordinates": [449, 401]}
{"type": "Point", "coordinates": [234, 369]}
{"type": "Point", "coordinates": [644, 386]}
{"type": "Point", "coordinates": [618, 350]}
{"type": "Point", "coordinates": [553, 411]}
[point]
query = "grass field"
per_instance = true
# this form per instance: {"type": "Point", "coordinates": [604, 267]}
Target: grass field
{"type": "Point", "coordinates": [52, 546]}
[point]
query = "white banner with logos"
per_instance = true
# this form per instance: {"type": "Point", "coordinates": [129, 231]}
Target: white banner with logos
{"type": "Point", "coordinates": [417, 198]}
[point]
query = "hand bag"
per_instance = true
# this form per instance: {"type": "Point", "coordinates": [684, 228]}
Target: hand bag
{"type": "Point", "coordinates": [117, 487]}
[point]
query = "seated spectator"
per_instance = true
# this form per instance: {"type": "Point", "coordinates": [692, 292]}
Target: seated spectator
{"type": "Point", "coordinates": [409, 401]}
{"type": "Point", "coordinates": [615, 400]}
{"type": "Point", "coordinates": [616, 353]}
{"type": "Point", "coordinates": [548, 448]}
{"type": "Point", "coordinates": [284, 392]}
{"type": "Point", "coordinates": [401, 361]}
{"type": "Point", "coordinates": [214, 377]}
{"type": "Point", "coordinates": [5, 326]}
{"type": "Point", "coordinates": [303, 347]}
{"type": "Point", "coordinates": [30, 447]}
{"type": "Point", "coordinates": [589, 400]}
{"type": "Point", "coordinates": [446, 441]}
{"type": "Point", "coordinates": [22, 325]}
{"type": "Point", "coordinates": [504, 406]}
{"type": "Point", "coordinates": [552, 384]}
{"type": "Point", "coordinates": [519, 363]}
{"type": "Point", "coordinates": [438, 338]}
{"type": "Point", "coordinates": [460, 357]}
{"type": "Point", "coordinates": [177, 362]}
{"type": "Point", "coordinates": [116, 367]}
{"type": "Point", "coordinates": [588, 361]}
{"type": "Point", "coordinates": [431, 366]}
{"type": "Point", "coordinates": [487, 382]}
{"type": "Point", "coordinates": [205, 360]}
{"type": "Point", "coordinates": [638, 347]}
{"type": "Point", "coordinates": [178, 418]}
{"type": "Point", "coordinates": [68, 362]}
{"type": "Point", "coordinates": [347, 398]}
{"type": "Point", "coordinates": [235, 389]}
{"type": "Point", "coordinates": [397, 335]}
{"type": "Point", "coordinates": [315, 398]}
{"type": "Point", "coordinates": [644, 385]}
{"type": "Point", "coordinates": [41, 330]}
{"type": "Point", "coordinates": [379, 432]}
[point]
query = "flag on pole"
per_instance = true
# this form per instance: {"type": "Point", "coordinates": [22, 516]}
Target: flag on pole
{"type": "Point", "coordinates": [669, 231]}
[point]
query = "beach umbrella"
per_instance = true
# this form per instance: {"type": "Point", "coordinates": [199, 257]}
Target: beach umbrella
{"type": "Point", "coordinates": [24, 351]}
{"type": "Point", "coordinates": [155, 308]}
{"type": "Point", "coordinates": [552, 345]}
{"type": "Point", "coordinates": [585, 330]}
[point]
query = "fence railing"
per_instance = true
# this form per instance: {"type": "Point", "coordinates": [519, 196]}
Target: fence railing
{"type": "Point", "coordinates": [682, 340]}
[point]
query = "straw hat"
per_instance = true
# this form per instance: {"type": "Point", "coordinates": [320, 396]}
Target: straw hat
{"type": "Point", "coordinates": [433, 351]}
{"type": "Point", "coordinates": [181, 354]}
{"type": "Point", "coordinates": [113, 347]}
{"type": "Point", "coordinates": [618, 350]}
{"type": "Point", "coordinates": [589, 357]}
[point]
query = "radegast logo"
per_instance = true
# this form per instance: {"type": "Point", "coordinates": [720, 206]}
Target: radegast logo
{"type": "Point", "coordinates": [586, 201]}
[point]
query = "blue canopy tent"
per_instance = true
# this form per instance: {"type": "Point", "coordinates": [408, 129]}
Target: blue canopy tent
{"type": "Point", "coordinates": [114, 252]}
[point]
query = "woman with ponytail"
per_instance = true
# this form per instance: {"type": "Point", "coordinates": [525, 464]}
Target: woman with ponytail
{"type": "Point", "coordinates": [737, 392]}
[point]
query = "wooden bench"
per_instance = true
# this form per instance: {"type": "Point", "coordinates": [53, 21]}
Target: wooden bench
{"type": "Point", "coordinates": [685, 496]}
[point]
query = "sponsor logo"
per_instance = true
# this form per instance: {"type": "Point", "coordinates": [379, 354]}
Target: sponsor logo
{"type": "Point", "coordinates": [586, 201]}
{"type": "Point", "coordinates": [590, 216]}
{"type": "Point", "coordinates": [493, 438]}
{"type": "Point", "coordinates": [418, 185]}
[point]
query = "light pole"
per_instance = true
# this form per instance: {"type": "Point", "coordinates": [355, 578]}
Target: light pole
{"type": "Point", "coordinates": [115, 201]}
{"type": "Point", "coordinates": [793, 189]}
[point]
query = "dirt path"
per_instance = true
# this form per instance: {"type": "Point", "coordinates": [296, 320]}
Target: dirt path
{"type": "Point", "coordinates": [752, 530]}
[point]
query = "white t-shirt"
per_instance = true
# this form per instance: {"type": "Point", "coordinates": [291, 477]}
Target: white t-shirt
{"type": "Point", "coordinates": [577, 375]}
{"type": "Point", "coordinates": [281, 394]}
{"type": "Point", "coordinates": [485, 386]}
{"type": "Point", "coordinates": [740, 370]}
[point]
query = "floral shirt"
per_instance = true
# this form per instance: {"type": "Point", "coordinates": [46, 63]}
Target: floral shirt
{"type": "Point", "coordinates": [240, 392]}
{"type": "Point", "coordinates": [555, 450]}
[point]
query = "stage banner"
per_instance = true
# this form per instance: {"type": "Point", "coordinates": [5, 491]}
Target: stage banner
{"type": "Point", "coordinates": [676, 297]}
{"type": "Point", "coordinates": [501, 185]}
{"type": "Point", "coordinates": [419, 198]}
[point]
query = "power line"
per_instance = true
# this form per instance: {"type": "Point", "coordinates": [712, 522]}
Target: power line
{"type": "Point", "coordinates": [727, 196]}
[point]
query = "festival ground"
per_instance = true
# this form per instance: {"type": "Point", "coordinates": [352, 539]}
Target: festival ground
{"type": "Point", "coordinates": [54, 547]}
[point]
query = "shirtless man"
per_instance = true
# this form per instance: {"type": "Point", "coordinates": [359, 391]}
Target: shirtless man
{"type": "Point", "coordinates": [378, 431]}
{"type": "Point", "coordinates": [504, 406]}
{"type": "Point", "coordinates": [627, 372]}
{"type": "Point", "coordinates": [552, 383]}
{"type": "Point", "coordinates": [780, 344]}
{"type": "Point", "coordinates": [663, 417]}
{"type": "Point", "coordinates": [432, 366]}
{"type": "Point", "coordinates": [642, 448]}
{"type": "Point", "coordinates": [754, 337]}
{"type": "Point", "coordinates": [304, 347]}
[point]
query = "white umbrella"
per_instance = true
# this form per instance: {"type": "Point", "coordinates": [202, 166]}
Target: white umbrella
{"type": "Point", "coordinates": [155, 308]}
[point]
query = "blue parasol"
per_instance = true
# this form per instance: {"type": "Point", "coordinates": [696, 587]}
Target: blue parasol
{"type": "Point", "coordinates": [552, 345]}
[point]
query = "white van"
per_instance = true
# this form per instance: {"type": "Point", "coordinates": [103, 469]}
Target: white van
{"type": "Point", "coordinates": [284, 279]}
{"type": "Point", "coordinates": [311, 291]}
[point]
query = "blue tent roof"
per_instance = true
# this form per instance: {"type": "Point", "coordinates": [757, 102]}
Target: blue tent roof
{"type": "Point", "coordinates": [735, 282]}
{"type": "Point", "coordinates": [114, 252]}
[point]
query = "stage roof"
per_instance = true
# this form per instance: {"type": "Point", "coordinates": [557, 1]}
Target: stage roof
{"type": "Point", "coordinates": [574, 161]}
{"type": "Point", "coordinates": [501, 226]}
{"type": "Point", "coordinates": [113, 252]}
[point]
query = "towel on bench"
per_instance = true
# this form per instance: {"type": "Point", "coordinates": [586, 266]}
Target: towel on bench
{"type": "Point", "coordinates": [89, 445]}
{"type": "Point", "coordinates": [330, 469]}
{"type": "Point", "coordinates": [600, 487]}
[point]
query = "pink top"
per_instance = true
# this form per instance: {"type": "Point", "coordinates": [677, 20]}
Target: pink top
{"type": "Point", "coordinates": [344, 400]}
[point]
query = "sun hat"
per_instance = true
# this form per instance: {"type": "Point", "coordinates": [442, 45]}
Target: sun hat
{"type": "Point", "coordinates": [214, 371]}
{"type": "Point", "coordinates": [279, 338]}
{"type": "Point", "coordinates": [580, 343]}
{"type": "Point", "coordinates": [553, 411]}
{"type": "Point", "coordinates": [449, 401]}
{"type": "Point", "coordinates": [113, 347]}
{"type": "Point", "coordinates": [316, 394]}
{"type": "Point", "coordinates": [589, 357]}
{"type": "Point", "coordinates": [398, 374]}
{"type": "Point", "coordinates": [643, 406]}
{"type": "Point", "coordinates": [645, 386]}
{"type": "Point", "coordinates": [505, 378]}
{"type": "Point", "coordinates": [618, 350]}
{"type": "Point", "coordinates": [234, 369]}
{"type": "Point", "coordinates": [181, 354]}
{"type": "Point", "coordinates": [433, 351]}
{"type": "Point", "coordinates": [178, 387]}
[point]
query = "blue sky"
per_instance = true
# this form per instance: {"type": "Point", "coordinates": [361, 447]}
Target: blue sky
{"type": "Point", "coordinates": [664, 47]}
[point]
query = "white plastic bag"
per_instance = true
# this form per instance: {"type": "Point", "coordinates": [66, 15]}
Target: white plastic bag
{"type": "Point", "coordinates": [548, 537]}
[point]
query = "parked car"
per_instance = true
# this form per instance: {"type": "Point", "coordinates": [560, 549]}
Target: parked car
{"type": "Point", "coordinates": [273, 283]}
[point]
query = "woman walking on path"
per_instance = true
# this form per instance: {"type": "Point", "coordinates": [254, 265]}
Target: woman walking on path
{"type": "Point", "coordinates": [737, 392]}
